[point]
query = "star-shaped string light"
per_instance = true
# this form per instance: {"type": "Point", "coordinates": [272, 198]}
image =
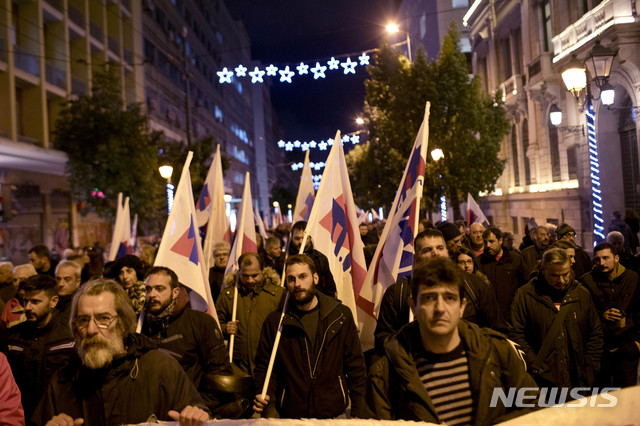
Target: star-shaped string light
{"type": "Point", "coordinates": [281, 143]}
{"type": "Point", "coordinates": [364, 58]}
{"type": "Point", "coordinates": [272, 70]}
{"type": "Point", "coordinates": [333, 63]}
{"type": "Point", "coordinates": [318, 71]}
{"type": "Point", "coordinates": [256, 75]}
{"type": "Point", "coordinates": [296, 144]}
{"type": "Point", "coordinates": [225, 75]}
{"type": "Point", "coordinates": [304, 146]}
{"type": "Point", "coordinates": [286, 74]}
{"type": "Point", "coordinates": [322, 146]}
{"type": "Point", "coordinates": [241, 71]}
{"type": "Point", "coordinates": [303, 68]}
{"type": "Point", "coordinates": [349, 66]}
{"type": "Point", "coordinates": [355, 139]}
{"type": "Point", "coordinates": [288, 146]}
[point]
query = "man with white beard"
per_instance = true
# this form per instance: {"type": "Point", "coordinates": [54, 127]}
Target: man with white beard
{"type": "Point", "coordinates": [119, 379]}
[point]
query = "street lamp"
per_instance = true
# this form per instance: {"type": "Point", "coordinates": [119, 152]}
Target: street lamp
{"type": "Point", "coordinates": [392, 28]}
{"type": "Point", "coordinates": [360, 121]}
{"type": "Point", "coordinates": [598, 65]}
{"type": "Point", "coordinates": [437, 154]}
{"type": "Point", "coordinates": [166, 171]}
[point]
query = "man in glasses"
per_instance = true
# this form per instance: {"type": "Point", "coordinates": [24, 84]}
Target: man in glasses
{"type": "Point", "coordinates": [42, 344]}
{"type": "Point", "coordinates": [119, 378]}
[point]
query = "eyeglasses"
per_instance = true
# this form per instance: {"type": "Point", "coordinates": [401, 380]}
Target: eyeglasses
{"type": "Point", "coordinates": [101, 320]}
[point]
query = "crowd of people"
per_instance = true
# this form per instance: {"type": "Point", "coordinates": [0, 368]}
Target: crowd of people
{"type": "Point", "coordinates": [88, 342]}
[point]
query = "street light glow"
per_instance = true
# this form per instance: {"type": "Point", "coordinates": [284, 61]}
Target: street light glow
{"type": "Point", "coordinates": [360, 121]}
{"type": "Point", "coordinates": [437, 154]}
{"type": "Point", "coordinates": [165, 171]}
{"type": "Point", "coordinates": [392, 28]}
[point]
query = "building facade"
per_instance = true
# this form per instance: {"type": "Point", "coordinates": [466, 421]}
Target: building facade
{"type": "Point", "coordinates": [48, 52]}
{"type": "Point", "coordinates": [520, 49]}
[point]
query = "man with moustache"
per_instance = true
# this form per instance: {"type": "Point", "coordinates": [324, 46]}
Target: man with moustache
{"type": "Point", "coordinates": [532, 254]}
{"type": "Point", "coordinates": [319, 364]}
{"type": "Point", "coordinates": [39, 346]}
{"type": "Point", "coordinates": [555, 321]}
{"type": "Point", "coordinates": [119, 378]}
{"type": "Point", "coordinates": [192, 337]}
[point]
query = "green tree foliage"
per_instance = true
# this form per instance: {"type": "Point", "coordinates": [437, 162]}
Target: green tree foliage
{"type": "Point", "coordinates": [111, 148]}
{"type": "Point", "coordinates": [466, 123]}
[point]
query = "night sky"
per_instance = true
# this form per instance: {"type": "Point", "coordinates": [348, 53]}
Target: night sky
{"type": "Point", "coordinates": [293, 31]}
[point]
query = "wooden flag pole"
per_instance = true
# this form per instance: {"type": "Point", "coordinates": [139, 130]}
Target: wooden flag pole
{"type": "Point", "coordinates": [274, 351]}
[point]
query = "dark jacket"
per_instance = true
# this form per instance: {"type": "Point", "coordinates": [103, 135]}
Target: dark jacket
{"type": "Point", "coordinates": [193, 338]}
{"type": "Point", "coordinates": [583, 262]}
{"type": "Point", "coordinates": [481, 309]}
{"type": "Point", "coordinates": [505, 275]}
{"type": "Point", "coordinates": [314, 384]}
{"type": "Point", "coordinates": [621, 292]}
{"type": "Point", "coordinates": [216, 281]}
{"type": "Point", "coordinates": [253, 307]}
{"type": "Point", "coordinates": [395, 390]}
{"type": "Point", "coordinates": [35, 354]}
{"type": "Point", "coordinates": [574, 357]}
{"type": "Point", "coordinates": [530, 257]}
{"type": "Point", "coordinates": [326, 284]}
{"type": "Point", "coordinates": [138, 384]}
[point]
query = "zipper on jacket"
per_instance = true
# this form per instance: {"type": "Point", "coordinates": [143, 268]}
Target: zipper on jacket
{"type": "Point", "coordinates": [344, 395]}
{"type": "Point", "coordinates": [324, 338]}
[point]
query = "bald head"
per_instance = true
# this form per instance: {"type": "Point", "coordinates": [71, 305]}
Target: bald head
{"type": "Point", "coordinates": [475, 236]}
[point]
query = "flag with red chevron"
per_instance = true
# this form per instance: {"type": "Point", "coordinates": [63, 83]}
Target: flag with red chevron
{"type": "Point", "coordinates": [121, 241]}
{"type": "Point", "coordinates": [304, 200]}
{"type": "Point", "coordinates": [333, 226]}
{"type": "Point", "coordinates": [180, 248]}
{"type": "Point", "coordinates": [393, 258]}
{"type": "Point", "coordinates": [211, 208]}
{"type": "Point", "coordinates": [474, 212]}
{"type": "Point", "coordinates": [245, 240]}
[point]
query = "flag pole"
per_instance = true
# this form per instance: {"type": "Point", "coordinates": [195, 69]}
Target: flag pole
{"type": "Point", "coordinates": [276, 342]}
{"type": "Point", "coordinates": [239, 238]}
{"type": "Point", "coordinates": [208, 239]}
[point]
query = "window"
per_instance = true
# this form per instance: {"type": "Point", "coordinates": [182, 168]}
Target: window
{"type": "Point", "coordinates": [554, 151]}
{"type": "Point", "coordinates": [525, 149]}
{"type": "Point", "coordinates": [505, 54]}
{"type": "Point", "coordinates": [572, 162]}
{"type": "Point", "coordinates": [514, 224]}
{"type": "Point", "coordinates": [546, 27]}
{"type": "Point", "coordinates": [458, 4]}
{"type": "Point", "coordinates": [514, 156]}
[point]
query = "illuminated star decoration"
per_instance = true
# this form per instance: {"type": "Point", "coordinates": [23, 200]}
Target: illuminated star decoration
{"type": "Point", "coordinates": [271, 70]}
{"type": "Point", "coordinates": [225, 75]}
{"type": "Point", "coordinates": [312, 144]}
{"type": "Point", "coordinates": [323, 146]}
{"type": "Point", "coordinates": [349, 66]}
{"type": "Point", "coordinates": [345, 139]}
{"type": "Point", "coordinates": [355, 139]}
{"type": "Point", "coordinates": [333, 63]}
{"type": "Point", "coordinates": [286, 74]}
{"type": "Point", "coordinates": [303, 68]}
{"type": "Point", "coordinates": [288, 146]}
{"type": "Point", "coordinates": [318, 71]}
{"type": "Point", "coordinates": [304, 146]}
{"type": "Point", "coordinates": [364, 58]}
{"type": "Point", "coordinates": [256, 75]}
{"type": "Point", "coordinates": [241, 71]}
{"type": "Point", "coordinates": [296, 144]}
{"type": "Point", "coordinates": [330, 141]}
{"type": "Point", "coordinates": [281, 143]}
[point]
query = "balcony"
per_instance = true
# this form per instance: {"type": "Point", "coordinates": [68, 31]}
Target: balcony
{"type": "Point", "coordinates": [96, 31]}
{"type": "Point", "coordinates": [78, 86]}
{"type": "Point", "coordinates": [114, 46]}
{"type": "Point", "coordinates": [591, 25]}
{"type": "Point", "coordinates": [512, 89]}
{"type": "Point", "coordinates": [76, 16]}
{"type": "Point", "coordinates": [26, 61]}
{"type": "Point", "coordinates": [55, 75]}
{"type": "Point", "coordinates": [539, 70]}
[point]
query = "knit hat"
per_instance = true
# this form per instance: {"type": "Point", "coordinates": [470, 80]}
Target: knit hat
{"type": "Point", "coordinates": [449, 230]}
{"type": "Point", "coordinates": [563, 229]}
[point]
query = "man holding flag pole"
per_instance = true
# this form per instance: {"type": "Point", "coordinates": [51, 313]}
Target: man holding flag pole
{"type": "Point", "coordinates": [320, 366]}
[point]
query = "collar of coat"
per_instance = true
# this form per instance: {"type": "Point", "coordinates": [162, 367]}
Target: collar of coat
{"type": "Point", "coordinates": [270, 279]}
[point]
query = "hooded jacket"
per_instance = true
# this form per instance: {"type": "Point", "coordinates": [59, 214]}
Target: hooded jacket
{"type": "Point", "coordinates": [136, 385]}
{"type": "Point", "coordinates": [574, 359]}
{"type": "Point", "coordinates": [253, 307]}
{"type": "Point", "coordinates": [395, 390]}
{"type": "Point", "coordinates": [318, 383]}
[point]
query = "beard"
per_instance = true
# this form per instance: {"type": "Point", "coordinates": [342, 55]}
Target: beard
{"type": "Point", "coordinates": [303, 296]}
{"type": "Point", "coordinates": [97, 352]}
